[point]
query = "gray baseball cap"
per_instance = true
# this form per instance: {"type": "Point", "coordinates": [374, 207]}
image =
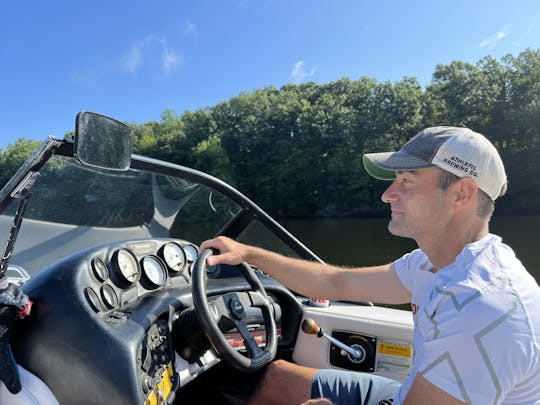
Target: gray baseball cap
{"type": "Point", "coordinates": [460, 151]}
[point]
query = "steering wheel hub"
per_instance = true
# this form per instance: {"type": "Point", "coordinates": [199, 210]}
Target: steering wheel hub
{"type": "Point", "coordinates": [236, 307]}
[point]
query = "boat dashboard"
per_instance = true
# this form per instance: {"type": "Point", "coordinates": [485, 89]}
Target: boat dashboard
{"type": "Point", "coordinates": [118, 321]}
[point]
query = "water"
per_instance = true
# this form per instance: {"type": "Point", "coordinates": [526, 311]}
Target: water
{"type": "Point", "coordinates": [366, 241]}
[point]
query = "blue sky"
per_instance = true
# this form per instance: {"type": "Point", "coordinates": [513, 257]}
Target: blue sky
{"type": "Point", "coordinates": [134, 59]}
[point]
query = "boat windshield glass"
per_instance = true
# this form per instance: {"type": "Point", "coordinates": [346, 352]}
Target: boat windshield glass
{"type": "Point", "coordinates": [73, 207]}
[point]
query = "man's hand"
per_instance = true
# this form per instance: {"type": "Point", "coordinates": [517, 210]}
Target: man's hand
{"type": "Point", "coordinates": [231, 252]}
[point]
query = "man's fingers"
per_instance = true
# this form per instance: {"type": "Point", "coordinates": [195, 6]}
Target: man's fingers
{"type": "Point", "coordinates": [226, 258]}
{"type": "Point", "coordinates": [211, 243]}
{"type": "Point", "coordinates": [229, 251]}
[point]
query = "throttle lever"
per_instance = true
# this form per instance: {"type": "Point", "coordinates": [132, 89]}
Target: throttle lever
{"type": "Point", "coordinates": [310, 327]}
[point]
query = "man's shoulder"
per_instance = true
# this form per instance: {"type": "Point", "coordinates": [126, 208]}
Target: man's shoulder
{"type": "Point", "coordinates": [487, 301]}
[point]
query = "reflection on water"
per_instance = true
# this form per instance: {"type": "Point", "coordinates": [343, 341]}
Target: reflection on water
{"type": "Point", "coordinates": [366, 241]}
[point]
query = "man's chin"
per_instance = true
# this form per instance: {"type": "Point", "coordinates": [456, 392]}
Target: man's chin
{"type": "Point", "coordinates": [395, 230]}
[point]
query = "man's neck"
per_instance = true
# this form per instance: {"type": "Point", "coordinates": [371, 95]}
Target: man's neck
{"type": "Point", "coordinates": [443, 250]}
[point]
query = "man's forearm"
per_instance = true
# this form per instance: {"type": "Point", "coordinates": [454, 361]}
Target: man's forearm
{"type": "Point", "coordinates": [311, 279]}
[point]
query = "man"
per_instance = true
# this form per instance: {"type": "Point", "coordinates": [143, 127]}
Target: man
{"type": "Point", "coordinates": [476, 309]}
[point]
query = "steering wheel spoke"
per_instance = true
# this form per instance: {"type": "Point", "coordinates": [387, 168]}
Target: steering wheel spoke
{"type": "Point", "coordinates": [249, 342]}
{"type": "Point", "coordinates": [257, 299]}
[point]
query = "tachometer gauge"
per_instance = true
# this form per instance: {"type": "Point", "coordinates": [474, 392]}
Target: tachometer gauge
{"type": "Point", "coordinates": [191, 253]}
{"type": "Point", "coordinates": [154, 271]}
{"type": "Point", "coordinates": [174, 256]}
{"type": "Point", "coordinates": [126, 267]}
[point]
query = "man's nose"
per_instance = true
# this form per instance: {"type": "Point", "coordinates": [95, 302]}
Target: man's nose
{"type": "Point", "coordinates": [390, 195]}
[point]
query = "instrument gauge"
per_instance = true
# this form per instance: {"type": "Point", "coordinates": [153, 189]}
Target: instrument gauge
{"type": "Point", "coordinates": [154, 271]}
{"type": "Point", "coordinates": [110, 299]}
{"type": "Point", "coordinates": [191, 253]}
{"type": "Point", "coordinates": [126, 267]}
{"type": "Point", "coordinates": [99, 269]}
{"type": "Point", "coordinates": [92, 298]}
{"type": "Point", "coordinates": [174, 256]}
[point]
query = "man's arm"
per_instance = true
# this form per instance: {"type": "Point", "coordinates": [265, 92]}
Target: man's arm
{"type": "Point", "coordinates": [378, 284]}
{"type": "Point", "coordinates": [424, 392]}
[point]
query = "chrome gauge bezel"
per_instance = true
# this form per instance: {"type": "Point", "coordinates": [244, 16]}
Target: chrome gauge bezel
{"type": "Point", "coordinates": [99, 269]}
{"type": "Point", "coordinates": [175, 260]}
{"type": "Point", "coordinates": [125, 267]}
{"type": "Point", "coordinates": [154, 271]}
{"type": "Point", "coordinates": [93, 299]}
{"type": "Point", "coordinates": [109, 296]}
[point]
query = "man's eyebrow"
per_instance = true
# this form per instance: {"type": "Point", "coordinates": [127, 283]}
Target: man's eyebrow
{"type": "Point", "coordinates": [405, 171]}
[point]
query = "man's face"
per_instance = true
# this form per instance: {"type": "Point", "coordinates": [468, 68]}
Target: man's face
{"type": "Point", "coordinates": [419, 206]}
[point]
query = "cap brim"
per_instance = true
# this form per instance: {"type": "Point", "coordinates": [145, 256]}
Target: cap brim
{"type": "Point", "coordinates": [383, 165]}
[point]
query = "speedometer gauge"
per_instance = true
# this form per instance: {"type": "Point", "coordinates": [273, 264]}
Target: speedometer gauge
{"type": "Point", "coordinates": [154, 271]}
{"type": "Point", "coordinates": [126, 267]}
{"type": "Point", "coordinates": [174, 256]}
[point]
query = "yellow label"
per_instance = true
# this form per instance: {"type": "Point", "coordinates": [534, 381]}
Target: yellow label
{"type": "Point", "coordinates": [394, 349]}
{"type": "Point", "coordinates": [163, 388]}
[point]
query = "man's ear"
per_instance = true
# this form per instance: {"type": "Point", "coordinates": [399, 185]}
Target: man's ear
{"type": "Point", "coordinates": [464, 191]}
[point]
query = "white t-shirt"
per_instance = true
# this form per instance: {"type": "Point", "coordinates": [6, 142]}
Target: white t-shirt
{"type": "Point", "coordinates": [476, 324]}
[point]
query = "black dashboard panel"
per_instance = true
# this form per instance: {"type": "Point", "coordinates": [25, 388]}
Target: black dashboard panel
{"type": "Point", "coordinates": [119, 274]}
{"type": "Point", "coordinates": [97, 335]}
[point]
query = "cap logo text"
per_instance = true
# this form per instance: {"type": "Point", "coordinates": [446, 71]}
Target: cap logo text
{"type": "Point", "coordinates": [461, 165]}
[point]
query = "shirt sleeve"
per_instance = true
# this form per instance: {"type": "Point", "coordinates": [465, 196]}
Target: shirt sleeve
{"type": "Point", "coordinates": [405, 266]}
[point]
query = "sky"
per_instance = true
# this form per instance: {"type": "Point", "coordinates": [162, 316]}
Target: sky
{"type": "Point", "coordinates": [132, 60]}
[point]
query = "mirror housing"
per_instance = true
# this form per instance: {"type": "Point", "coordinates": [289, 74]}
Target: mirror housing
{"type": "Point", "coordinates": [102, 142]}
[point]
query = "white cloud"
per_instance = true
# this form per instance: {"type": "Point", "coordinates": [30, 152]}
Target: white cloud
{"type": "Point", "coordinates": [299, 72]}
{"type": "Point", "coordinates": [86, 78]}
{"type": "Point", "coordinates": [491, 41]}
{"type": "Point", "coordinates": [190, 30]}
{"type": "Point", "coordinates": [171, 60]}
{"type": "Point", "coordinates": [244, 3]}
{"type": "Point", "coordinates": [143, 55]}
{"type": "Point", "coordinates": [132, 60]}
{"type": "Point", "coordinates": [150, 56]}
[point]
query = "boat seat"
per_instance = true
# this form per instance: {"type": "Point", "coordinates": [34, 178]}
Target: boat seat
{"type": "Point", "coordinates": [34, 391]}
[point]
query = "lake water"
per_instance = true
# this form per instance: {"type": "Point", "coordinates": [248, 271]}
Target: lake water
{"type": "Point", "coordinates": [366, 241]}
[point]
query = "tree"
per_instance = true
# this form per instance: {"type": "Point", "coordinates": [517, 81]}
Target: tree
{"type": "Point", "coordinates": [14, 156]}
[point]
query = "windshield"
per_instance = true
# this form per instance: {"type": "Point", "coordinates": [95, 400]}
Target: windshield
{"type": "Point", "coordinates": [73, 207]}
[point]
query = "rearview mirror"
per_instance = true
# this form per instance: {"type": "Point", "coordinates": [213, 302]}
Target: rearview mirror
{"type": "Point", "coordinates": [102, 142]}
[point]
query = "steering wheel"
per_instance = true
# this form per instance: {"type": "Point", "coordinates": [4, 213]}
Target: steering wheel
{"type": "Point", "coordinates": [231, 308]}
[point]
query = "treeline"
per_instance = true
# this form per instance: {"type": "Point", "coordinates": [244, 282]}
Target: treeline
{"type": "Point", "coordinates": [297, 151]}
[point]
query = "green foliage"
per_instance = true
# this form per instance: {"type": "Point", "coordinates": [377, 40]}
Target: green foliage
{"type": "Point", "coordinates": [297, 150]}
{"type": "Point", "coordinates": [14, 156]}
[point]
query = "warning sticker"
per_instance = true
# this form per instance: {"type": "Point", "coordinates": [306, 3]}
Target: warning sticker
{"type": "Point", "coordinates": [394, 349]}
